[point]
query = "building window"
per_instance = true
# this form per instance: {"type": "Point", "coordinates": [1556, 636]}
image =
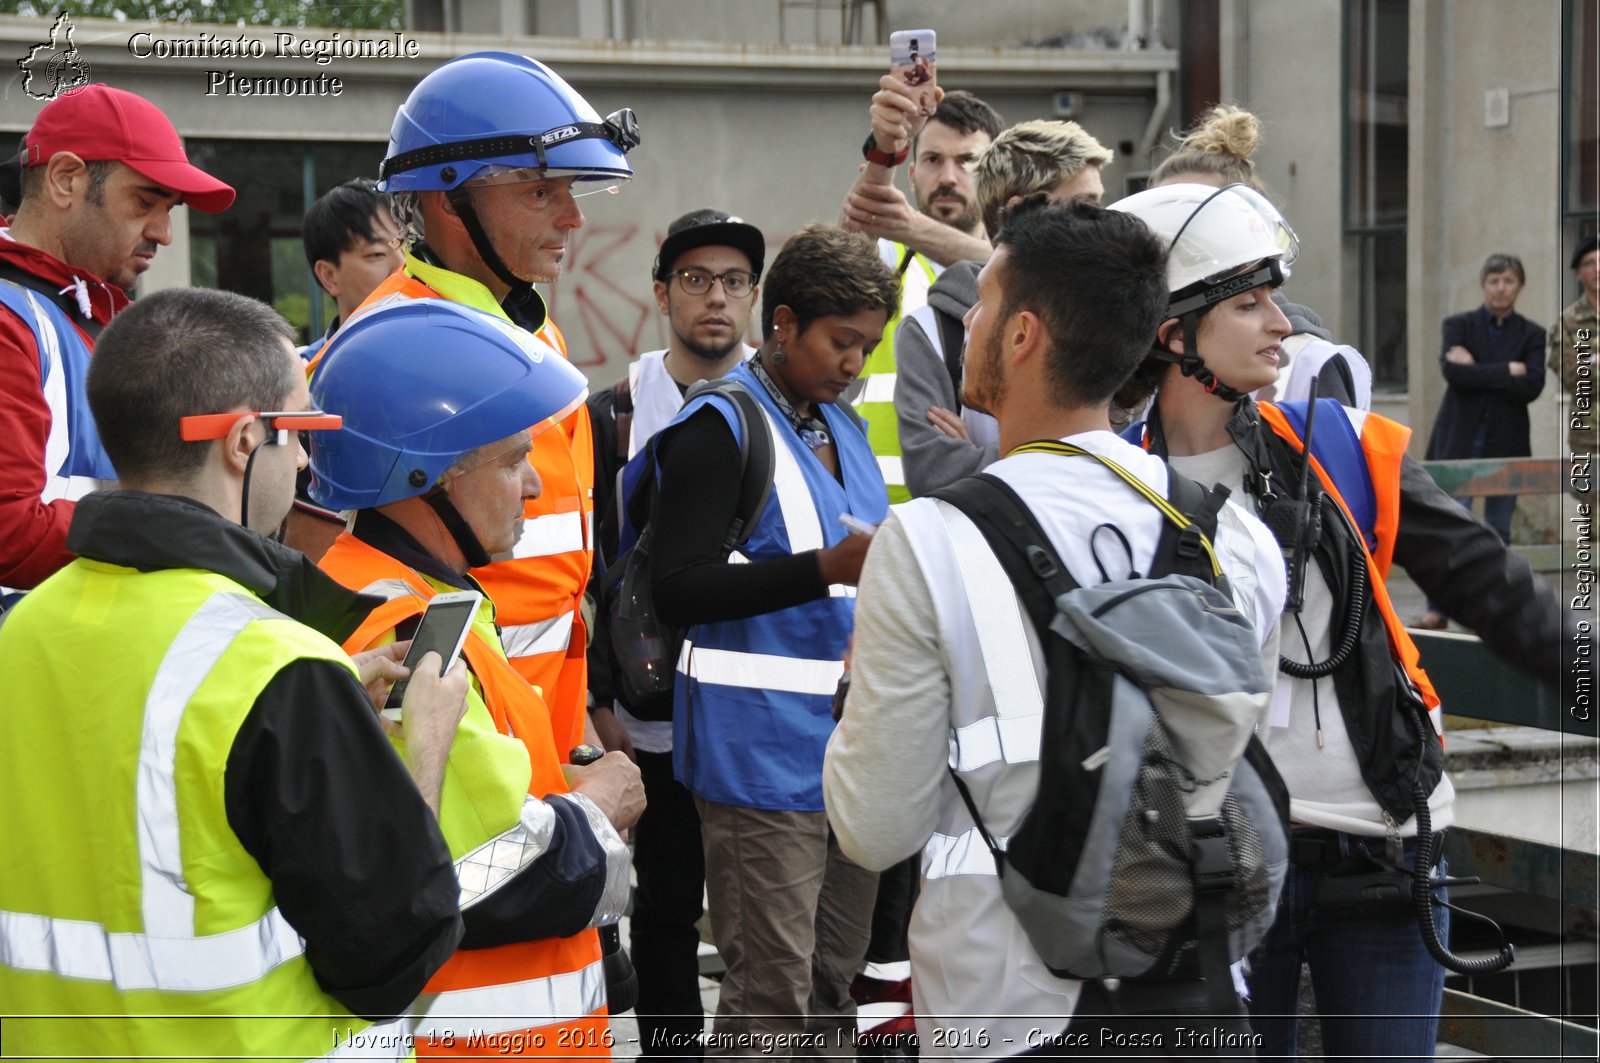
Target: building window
{"type": "Point", "coordinates": [1581, 102]}
{"type": "Point", "coordinates": [1376, 88]}
{"type": "Point", "coordinates": [254, 247]}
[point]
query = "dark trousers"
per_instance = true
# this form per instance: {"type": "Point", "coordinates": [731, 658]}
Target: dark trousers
{"type": "Point", "coordinates": [669, 863]}
{"type": "Point", "coordinates": [891, 913]}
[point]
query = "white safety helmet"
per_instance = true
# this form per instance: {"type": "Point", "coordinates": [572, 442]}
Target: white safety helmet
{"type": "Point", "coordinates": [1213, 236]}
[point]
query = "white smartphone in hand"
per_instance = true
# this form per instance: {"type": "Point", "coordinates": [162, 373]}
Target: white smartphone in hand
{"type": "Point", "coordinates": [856, 526]}
{"type": "Point", "coordinates": [443, 630]}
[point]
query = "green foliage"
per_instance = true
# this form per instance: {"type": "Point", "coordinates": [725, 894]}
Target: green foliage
{"type": "Point", "coordinates": [340, 14]}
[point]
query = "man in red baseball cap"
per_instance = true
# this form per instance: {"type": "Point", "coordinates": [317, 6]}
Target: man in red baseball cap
{"type": "Point", "coordinates": [101, 170]}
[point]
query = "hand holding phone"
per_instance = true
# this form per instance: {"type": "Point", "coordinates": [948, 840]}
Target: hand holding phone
{"type": "Point", "coordinates": [443, 631]}
{"type": "Point", "coordinates": [913, 58]}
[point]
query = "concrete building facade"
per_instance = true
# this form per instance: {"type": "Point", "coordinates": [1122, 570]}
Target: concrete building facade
{"type": "Point", "coordinates": [1405, 139]}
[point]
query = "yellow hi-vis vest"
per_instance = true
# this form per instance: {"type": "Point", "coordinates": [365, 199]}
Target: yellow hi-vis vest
{"type": "Point", "coordinates": [875, 401]}
{"type": "Point", "coordinates": [128, 908]}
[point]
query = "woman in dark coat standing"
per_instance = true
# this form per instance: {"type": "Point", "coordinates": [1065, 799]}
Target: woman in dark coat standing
{"type": "Point", "coordinates": [1492, 365]}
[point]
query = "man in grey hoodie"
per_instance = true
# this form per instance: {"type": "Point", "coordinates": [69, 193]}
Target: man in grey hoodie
{"type": "Point", "coordinates": [941, 442]}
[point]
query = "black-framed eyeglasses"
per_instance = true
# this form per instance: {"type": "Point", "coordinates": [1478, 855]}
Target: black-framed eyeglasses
{"type": "Point", "coordinates": [736, 283]}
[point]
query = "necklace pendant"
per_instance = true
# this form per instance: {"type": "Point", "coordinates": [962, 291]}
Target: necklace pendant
{"type": "Point", "coordinates": [813, 438]}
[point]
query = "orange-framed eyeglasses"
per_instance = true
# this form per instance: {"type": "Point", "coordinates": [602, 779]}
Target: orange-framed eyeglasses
{"type": "Point", "coordinates": [203, 426]}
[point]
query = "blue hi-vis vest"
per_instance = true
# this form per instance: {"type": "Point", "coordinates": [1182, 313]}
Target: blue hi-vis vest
{"type": "Point", "coordinates": [752, 702]}
{"type": "Point", "coordinates": [75, 462]}
{"type": "Point", "coordinates": [1337, 448]}
{"type": "Point", "coordinates": [73, 449]}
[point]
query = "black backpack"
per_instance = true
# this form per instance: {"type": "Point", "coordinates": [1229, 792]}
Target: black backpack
{"type": "Point", "coordinates": [644, 651]}
{"type": "Point", "coordinates": [1157, 841]}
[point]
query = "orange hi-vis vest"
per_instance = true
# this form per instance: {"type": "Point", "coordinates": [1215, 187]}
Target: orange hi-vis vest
{"type": "Point", "coordinates": [479, 1002]}
{"type": "Point", "coordinates": [1383, 444]}
{"type": "Point", "coordinates": [538, 591]}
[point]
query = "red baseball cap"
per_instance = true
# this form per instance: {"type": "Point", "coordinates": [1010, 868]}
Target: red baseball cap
{"type": "Point", "coordinates": [98, 123]}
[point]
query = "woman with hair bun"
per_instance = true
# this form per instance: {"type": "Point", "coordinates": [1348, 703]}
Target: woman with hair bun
{"type": "Point", "coordinates": [1217, 151]}
{"type": "Point", "coordinates": [1354, 729]}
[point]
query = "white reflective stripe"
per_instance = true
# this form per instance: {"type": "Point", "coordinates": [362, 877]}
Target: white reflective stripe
{"type": "Point", "coordinates": [835, 590]}
{"type": "Point", "coordinates": [759, 671]}
{"type": "Point", "coordinates": [1013, 739]}
{"type": "Point", "coordinates": [58, 444]}
{"type": "Point", "coordinates": [494, 1009]}
{"type": "Point", "coordinates": [1002, 630]}
{"type": "Point", "coordinates": [168, 904]}
{"type": "Point", "coordinates": [547, 636]}
{"type": "Point", "coordinates": [167, 955]}
{"type": "Point", "coordinates": [390, 589]}
{"type": "Point", "coordinates": [878, 388]}
{"type": "Point", "coordinates": [793, 495]}
{"type": "Point", "coordinates": [389, 1040]}
{"type": "Point", "coordinates": [947, 855]}
{"type": "Point", "coordinates": [553, 533]}
{"type": "Point", "coordinates": [75, 948]}
{"type": "Point", "coordinates": [891, 471]}
{"type": "Point", "coordinates": [70, 488]}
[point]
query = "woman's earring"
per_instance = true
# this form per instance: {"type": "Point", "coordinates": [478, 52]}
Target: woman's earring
{"type": "Point", "coordinates": [778, 357]}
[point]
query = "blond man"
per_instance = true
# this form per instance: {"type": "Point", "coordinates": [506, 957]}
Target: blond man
{"type": "Point", "coordinates": [942, 442]}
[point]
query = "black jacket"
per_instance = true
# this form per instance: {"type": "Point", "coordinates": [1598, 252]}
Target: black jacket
{"type": "Point", "coordinates": [1485, 392]}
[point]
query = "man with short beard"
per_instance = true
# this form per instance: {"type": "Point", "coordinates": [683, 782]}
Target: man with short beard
{"type": "Point", "coordinates": [705, 285]}
{"type": "Point", "coordinates": [917, 238]}
{"type": "Point", "coordinates": [101, 170]}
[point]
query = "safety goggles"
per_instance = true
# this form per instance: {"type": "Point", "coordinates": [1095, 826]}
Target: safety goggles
{"type": "Point", "coordinates": [203, 426]}
{"type": "Point", "coordinates": [495, 174]}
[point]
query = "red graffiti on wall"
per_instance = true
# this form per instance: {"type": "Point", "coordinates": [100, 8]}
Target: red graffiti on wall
{"type": "Point", "coordinates": [602, 301]}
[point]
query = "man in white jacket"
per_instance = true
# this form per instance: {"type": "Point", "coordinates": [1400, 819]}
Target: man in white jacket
{"type": "Point", "coordinates": [1066, 308]}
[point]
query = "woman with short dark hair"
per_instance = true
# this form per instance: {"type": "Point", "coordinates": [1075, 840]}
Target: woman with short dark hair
{"type": "Point", "coordinates": [768, 629]}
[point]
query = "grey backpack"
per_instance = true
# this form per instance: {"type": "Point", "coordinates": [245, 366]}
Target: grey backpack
{"type": "Point", "coordinates": [1157, 842]}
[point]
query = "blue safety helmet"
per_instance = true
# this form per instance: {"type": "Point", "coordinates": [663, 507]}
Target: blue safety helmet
{"type": "Point", "coordinates": [504, 110]}
{"type": "Point", "coordinates": [421, 383]}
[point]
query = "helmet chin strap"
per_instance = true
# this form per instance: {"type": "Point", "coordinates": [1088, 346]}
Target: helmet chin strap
{"type": "Point", "coordinates": [457, 526]}
{"type": "Point", "coordinates": [461, 201]}
{"type": "Point", "coordinates": [1191, 364]}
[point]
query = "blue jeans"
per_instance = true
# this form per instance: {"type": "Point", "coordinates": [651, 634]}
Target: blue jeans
{"type": "Point", "coordinates": [1378, 989]}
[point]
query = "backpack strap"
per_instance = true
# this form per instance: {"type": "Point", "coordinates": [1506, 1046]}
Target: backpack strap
{"type": "Point", "coordinates": [757, 463]}
{"type": "Point", "coordinates": [1180, 550]}
{"type": "Point", "coordinates": [952, 340]}
{"type": "Point", "coordinates": [622, 410]}
{"type": "Point", "coordinates": [905, 262]}
{"type": "Point", "coordinates": [1186, 526]}
{"type": "Point", "coordinates": [1019, 543]}
{"type": "Point", "coordinates": [1030, 563]}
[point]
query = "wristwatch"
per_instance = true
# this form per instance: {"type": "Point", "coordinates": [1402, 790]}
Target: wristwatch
{"type": "Point", "coordinates": [872, 153]}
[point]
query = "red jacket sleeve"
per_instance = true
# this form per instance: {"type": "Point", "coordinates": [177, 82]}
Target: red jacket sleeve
{"type": "Point", "coordinates": [33, 533]}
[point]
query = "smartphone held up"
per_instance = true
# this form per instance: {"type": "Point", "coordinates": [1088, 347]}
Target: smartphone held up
{"type": "Point", "coordinates": [912, 57]}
